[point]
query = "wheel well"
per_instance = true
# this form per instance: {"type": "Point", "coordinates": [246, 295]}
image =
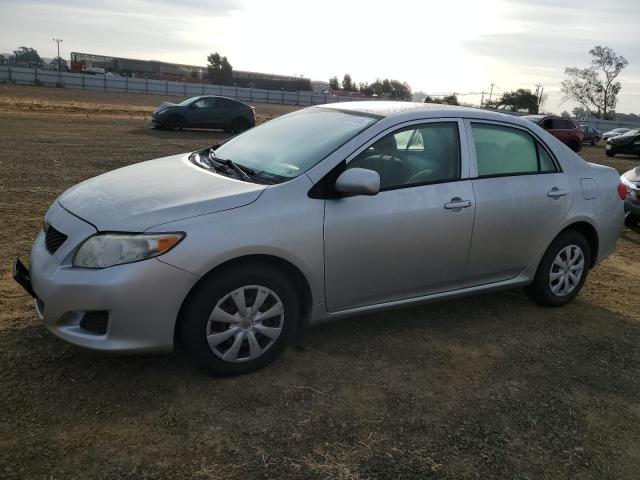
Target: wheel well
{"type": "Point", "coordinates": [590, 234]}
{"type": "Point", "coordinates": [290, 270]}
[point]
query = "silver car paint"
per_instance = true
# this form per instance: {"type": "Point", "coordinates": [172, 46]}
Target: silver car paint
{"type": "Point", "coordinates": [233, 219]}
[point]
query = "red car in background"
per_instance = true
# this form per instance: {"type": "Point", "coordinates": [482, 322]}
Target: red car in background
{"type": "Point", "coordinates": [563, 129]}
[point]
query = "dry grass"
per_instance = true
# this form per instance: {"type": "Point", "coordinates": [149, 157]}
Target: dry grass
{"type": "Point", "coordinates": [489, 387]}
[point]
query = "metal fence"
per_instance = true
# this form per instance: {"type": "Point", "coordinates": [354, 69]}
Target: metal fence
{"type": "Point", "coordinates": [107, 83]}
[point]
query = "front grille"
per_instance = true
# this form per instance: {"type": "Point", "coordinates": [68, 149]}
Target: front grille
{"type": "Point", "coordinates": [54, 239]}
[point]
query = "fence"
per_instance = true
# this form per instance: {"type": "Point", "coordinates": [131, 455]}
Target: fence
{"type": "Point", "coordinates": [106, 83]}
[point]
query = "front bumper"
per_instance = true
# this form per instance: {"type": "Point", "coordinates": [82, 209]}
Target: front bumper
{"type": "Point", "coordinates": [141, 300]}
{"type": "Point", "coordinates": [632, 203]}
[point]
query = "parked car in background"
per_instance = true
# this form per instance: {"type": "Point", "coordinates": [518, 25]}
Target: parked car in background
{"type": "Point", "coordinates": [206, 111]}
{"type": "Point", "coordinates": [631, 180]}
{"type": "Point", "coordinates": [614, 133]}
{"type": "Point", "coordinates": [628, 143]}
{"type": "Point", "coordinates": [591, 135]}
{"type": "Point", "coordinates": [563, 129]}
{"type": "Point", "coordinates": [320, 214]}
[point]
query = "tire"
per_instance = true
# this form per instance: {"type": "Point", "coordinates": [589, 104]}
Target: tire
{"type": "Point", "coordinates": [550, 292]}
{"type": "Point", "coordinates": [240, 124]}
{"type": "Point", "coordinates": [217, 292]}
{"type": "Point", "coordinates": [177, 122]}
{"type": "Point", "coordinates": [609, 153]}
{"type": "Point", "coordinates": [631, 219]}
{"type": "Point", "coordinates": [595, 141]}
{"type": "Point", "coordinates": [573, 145]}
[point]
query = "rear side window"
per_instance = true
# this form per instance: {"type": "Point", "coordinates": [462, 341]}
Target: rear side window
{"type": "Point", "coordinates": [226, 103]}
{"type": "Point", "coordinates": [508, 151]}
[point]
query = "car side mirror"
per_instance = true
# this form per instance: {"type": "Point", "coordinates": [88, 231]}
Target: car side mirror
{"type": "Point", "coordinates": [358, 181]}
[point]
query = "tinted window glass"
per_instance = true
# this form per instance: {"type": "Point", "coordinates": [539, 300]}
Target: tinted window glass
{"type": "Point", "coordinates": [569, 124]}
{"type": "Point", "coordinates": [504, 150]}
{"type": "Point", "coordinates": [415, 155]}
{"type": "Point", "coordinates": [291, 144]}
{"type": "Point", "coordinates": [205, 103]}
{"type": "Point", "coordinates": [226, 103]}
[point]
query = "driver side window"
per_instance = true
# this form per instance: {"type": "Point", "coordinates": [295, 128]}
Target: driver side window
{"type": "Point", "coordinates": [205, 103]}
{"type": "Point", "coordinates": [416, 155]}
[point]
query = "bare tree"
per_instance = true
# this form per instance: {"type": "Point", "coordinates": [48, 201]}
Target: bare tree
{"type": "Point", "coordinates": [589, 87]}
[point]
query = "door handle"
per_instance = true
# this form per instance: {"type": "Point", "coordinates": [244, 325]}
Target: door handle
{"type": "Point", "coordinates": [556, 193]}
{"type": "Point", "coordinates": [457, 204]}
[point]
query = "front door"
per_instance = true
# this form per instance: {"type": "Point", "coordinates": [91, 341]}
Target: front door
{"type": "Point", "coordinates": [521, 196]}
{"type": "Point", "coordinates": [413, 237]}
{"type": "Point", "coordinates": [203, 113]}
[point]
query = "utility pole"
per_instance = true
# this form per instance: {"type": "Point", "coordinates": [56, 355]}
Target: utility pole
{"type": "Point", "coordinates": [491, 92]}
{"type": "Point", "coordinates": [58, 40]}
{"type": "Point", "coordinates": [482, 100]}
{"type": "Point", "coordinates": [540, 97]}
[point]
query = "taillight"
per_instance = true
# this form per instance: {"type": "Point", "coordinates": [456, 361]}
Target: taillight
{"type": "Point", "coordinates": [622, 191]}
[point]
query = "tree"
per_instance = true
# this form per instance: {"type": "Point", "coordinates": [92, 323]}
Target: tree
{"type": "Point", "coordinates": [3, 60]}
{"type": "Point", "coordinates": [450, 99]}
{"type": "Point", "coordinates": [334, 84]}
{"type": "Point", "coordinates": [364, 88]}
{"type": "Point", "coordinates": [596, 86]}
{"type": "Point", "coordinates": [393, 89]}
{"type": "Point", "coordinates": [581, 113]}
{"type": "Point", "coordinates": [220, 70]}
{"type": "Point", "coordinates": [347, 83]}
{"type": "Point", "coordinates": [429, 99]}
{"type": "Point", "coordinates": [565, 114]}
{"type": "Point", "coordinates": [519, 100]}
{"type": "Point", "coordinates": [53, 64]}
{"type": "Point", "coordinates": [26, 56]}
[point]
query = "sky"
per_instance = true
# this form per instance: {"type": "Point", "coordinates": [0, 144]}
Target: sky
{"type": "Point", "coordinates": [437, 47]}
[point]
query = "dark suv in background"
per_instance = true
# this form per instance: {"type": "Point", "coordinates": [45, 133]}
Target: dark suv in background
{"type": "Point", "coordinates": [563, 129]}
{"type": "Point", "coordinates": [207, 111]}
{"type": "Point", "coordinates": [591, 135]}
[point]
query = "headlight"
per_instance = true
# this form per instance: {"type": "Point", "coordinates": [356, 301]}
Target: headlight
{"type": "Point", "coordinates": [629, 184]}
{"type": "Point", "coordinates": [108, 249]}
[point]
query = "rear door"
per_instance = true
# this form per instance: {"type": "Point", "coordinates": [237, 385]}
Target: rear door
{"type": "Point", "coordinates": [521, 196]}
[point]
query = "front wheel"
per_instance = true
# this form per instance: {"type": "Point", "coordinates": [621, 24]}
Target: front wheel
{"type": "Point", "coordinates": [562, 271]}
{"type": "Point", "coordinates": [240, 319]}
{"type": "Point", "coordinates": [609, 153]}
{"type": "Point", "coordinates": [631, 219]}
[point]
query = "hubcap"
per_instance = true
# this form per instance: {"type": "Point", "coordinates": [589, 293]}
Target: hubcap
{"type": "Point", "coordinates": [245, 323]}
{"type": "Point", "coordinates": [566, 270]}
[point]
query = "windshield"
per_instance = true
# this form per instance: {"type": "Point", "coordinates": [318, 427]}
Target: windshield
{"type": "Point", "coordinates": [186, 102]}
{"type": "Point", "coordinates": [631, 133]}
{"type": "Point", "coordinates": [288, 146]}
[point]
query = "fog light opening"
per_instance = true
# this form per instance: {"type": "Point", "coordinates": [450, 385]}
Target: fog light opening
{"type": "Point", "coordinates": [95, 322]}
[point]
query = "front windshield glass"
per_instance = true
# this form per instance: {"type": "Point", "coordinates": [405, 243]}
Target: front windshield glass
{"type": "Point", "coordinates": [288, 146]}
{"type": "Point", "coordinates": [186, 102]}
{"type": "Point", "coordinates": [630, 133]}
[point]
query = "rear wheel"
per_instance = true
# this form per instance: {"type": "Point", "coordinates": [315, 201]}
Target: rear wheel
{"type": "Point", "coordinates": [562, 271]}
{"type": "Point", "coordinates": [609, 153]}
{"type": "Point", "coordinates": [595, 141]}
{"type": "Point", "coordinates": [631, 219]}
{"type": "Point", "coordinates": [573, 145]}
{"type": "Point", "coordinates": [239, 125]}
{"type": "Point", "coordinates": [240, 319]}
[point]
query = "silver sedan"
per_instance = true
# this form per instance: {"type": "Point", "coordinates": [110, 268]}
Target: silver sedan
{"type": "Point", "coordinates": [323, 213]}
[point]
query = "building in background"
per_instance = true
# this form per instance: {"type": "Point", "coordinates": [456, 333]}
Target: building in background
{"type": "Point", "coordinates": [91, 63]}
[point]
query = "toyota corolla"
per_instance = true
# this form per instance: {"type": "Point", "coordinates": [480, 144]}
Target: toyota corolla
{"type": "Point", "coordinates": [323, 213]}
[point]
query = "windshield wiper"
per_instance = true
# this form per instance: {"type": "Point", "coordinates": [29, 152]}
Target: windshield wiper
{"type": "Point", "coordinates": [244, 172]}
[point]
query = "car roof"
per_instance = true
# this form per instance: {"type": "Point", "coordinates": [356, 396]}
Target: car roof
{"type": "Point", "coordinates": [384, 108]}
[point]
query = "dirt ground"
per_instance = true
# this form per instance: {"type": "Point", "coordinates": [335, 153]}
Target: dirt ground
{"type": "Point", "coordinates": [489, 387]}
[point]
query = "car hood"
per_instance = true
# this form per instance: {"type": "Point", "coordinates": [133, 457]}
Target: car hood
{"type": "Point", "coordinates": [165, 105]}
{"type": "Point", "coordinates": [146, 194]}
{"type": "Point", "coordinates": [622, 139]}
{"type": "Point", "coordinates": [633, 175]}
